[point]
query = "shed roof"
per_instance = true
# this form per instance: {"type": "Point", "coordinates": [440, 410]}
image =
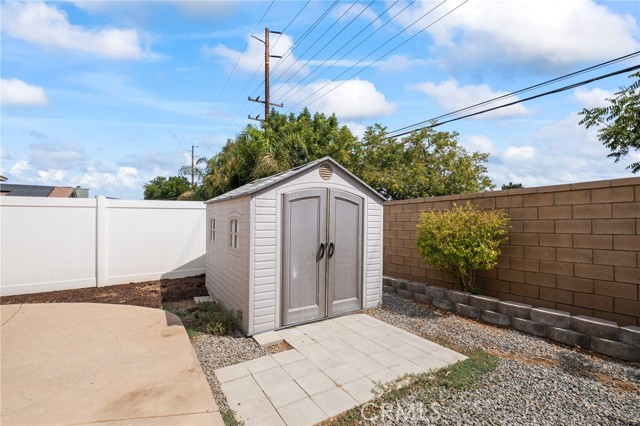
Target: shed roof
{"type": "Point", "coordinates": [269, 181]}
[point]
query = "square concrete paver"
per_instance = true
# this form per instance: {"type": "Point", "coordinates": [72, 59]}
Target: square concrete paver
{"type": "Point", "coordinates": [334, 366]}
{"type": "Point", "coordinates": [316, 383]}
{"type": "Point", "coordinates": [334, 401]}
{"type": "Point", "coordinates": [285, 393]}
{"type": "Point", "coordinates": [302, 413]}
{"type": "Point", "coordinates": [232, 372]}
{"type": "Point", "coordinates": [301, 368]}
{"type": "Point", "coordinates": [271, 377]}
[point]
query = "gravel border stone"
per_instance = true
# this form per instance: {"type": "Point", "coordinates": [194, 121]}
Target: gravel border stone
{"type": "Point", "coordinates": [537, 382]}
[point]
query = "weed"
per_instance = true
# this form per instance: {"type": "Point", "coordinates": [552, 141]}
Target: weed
{"type": "Point", "coordinates": [207, 318]}
{"type": "Point", "coordinates": [229, 418]}
{"type": "Point", "coordinates": [424, 387]}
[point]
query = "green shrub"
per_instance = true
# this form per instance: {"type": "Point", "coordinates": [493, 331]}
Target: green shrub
{"type": "Point", "coordinates": [208, 318]}
{"type": "Point", "coordinates": [462, 240]}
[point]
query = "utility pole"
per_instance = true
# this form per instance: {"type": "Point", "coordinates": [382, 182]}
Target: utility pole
{"type": "Point", "coordinates": [193, 164]}
{"type": "Point", "coordinates": [267, 97]}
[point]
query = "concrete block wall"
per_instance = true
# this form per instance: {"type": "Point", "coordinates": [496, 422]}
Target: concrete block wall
{"type": "Point", "coordinates": [573, 247]}
{"type": "Point", "coordinates": [602, 336]}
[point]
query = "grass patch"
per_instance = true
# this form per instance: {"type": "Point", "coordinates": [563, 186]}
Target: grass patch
{"type": "Point", "coordinates": [424, 387]}
{"type": "Point", "coordinates": [229, 418]}
{"type": "Point", "coordinates": [467, 374]}
{"type": "Point", "coordinates": [207, 318]}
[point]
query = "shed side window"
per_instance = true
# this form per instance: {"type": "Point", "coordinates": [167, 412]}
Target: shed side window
{"type": "Point", "coordinates": [233, 240]}
{"type": "Point", "coordinates": [212, 226]}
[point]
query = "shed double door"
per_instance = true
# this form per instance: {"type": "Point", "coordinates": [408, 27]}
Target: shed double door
{"type": "Point", "coordinates": [322, 254]}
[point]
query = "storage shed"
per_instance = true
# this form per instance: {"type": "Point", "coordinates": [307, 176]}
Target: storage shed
{"type": "Point", "coordinates": [296, 247]}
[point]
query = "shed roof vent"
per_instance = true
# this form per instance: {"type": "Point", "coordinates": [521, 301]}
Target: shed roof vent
{"type": "Point", "coordinates": [326, 171]}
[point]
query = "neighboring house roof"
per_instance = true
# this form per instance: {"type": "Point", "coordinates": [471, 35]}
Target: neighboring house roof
{"type": "Point", "coordinates": [13, 190]}
{"type": "Point", "coordinates": [62, 192]}
{"type": "Point", "coordinates": [267, 182]}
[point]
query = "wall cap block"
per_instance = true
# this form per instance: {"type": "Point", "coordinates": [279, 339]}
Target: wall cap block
{"type": "Point", "coordinates": [495, 318]}
{"type": "Point", "coordinates": [442, 304]}
{"type": "Point", "coordinates": [457, 296]}
{"type": "Point", "coordinates": [416, 287]}
{"type": "Point", "coordinates": [630, 335]}
{"type": "Point", "coordinates": [422, 298]}
{"type": "Point", "coordinates": [595, 327]}
{"type": "Point", "coordinates": [467, 310]}
{"type": "Point", "coordinates": [568, 337]}
{"type": "Point", "coordinates": [404, 293]}
{"type": "Point", "coordinates": [615, 349]}
{"type": "Point", "coordinates": [548, 316]}
{"type": "Point", "coordinates": [514, 309]}
{"type": "Point", "coordinates": [528, 326]}
{"type": "Point", "coordinates": [435, 292]}
{"type": "Point", "coordinates": [484, 302]}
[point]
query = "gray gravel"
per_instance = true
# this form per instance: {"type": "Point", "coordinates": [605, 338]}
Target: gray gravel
{"type": "Point", "coordinates": [536, 382]}
{"type": "Point", "coordinates": [219, 351]}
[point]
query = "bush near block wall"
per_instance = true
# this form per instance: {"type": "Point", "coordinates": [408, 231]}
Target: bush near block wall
{"type": "Point", "coordinates": [573, 247]}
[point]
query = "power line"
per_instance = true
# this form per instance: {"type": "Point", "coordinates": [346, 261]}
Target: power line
{"type": "Point", "coordinates": [550, 92]}
{"type": "Point", "coordinates": [347, 43]}
{"type": "Point", "coordinates": [306, 33]}
{"type": "Point", "coordinates": [378, 48]}
{"type": "Point", "coordinates": [242, 53]}
{"type": "Point", "coordinates": [317, 40]}
{"type": "Point", "coordinates": [527, 89]}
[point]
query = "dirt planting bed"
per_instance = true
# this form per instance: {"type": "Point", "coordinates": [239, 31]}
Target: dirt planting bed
{"type": "Point", "coordinates": [150, 294]}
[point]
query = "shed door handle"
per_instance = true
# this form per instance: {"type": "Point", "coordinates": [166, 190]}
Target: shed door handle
{"type": "Point", "coordinates": [331, 250]}
{"type": "Point", "coordinates": [321, 251]}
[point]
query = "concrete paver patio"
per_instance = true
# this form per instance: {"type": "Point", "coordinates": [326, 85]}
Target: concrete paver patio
{"type": "Point", "coordinates": [84, 363]}
{"type": "Point", "coordinates": [331, 369]}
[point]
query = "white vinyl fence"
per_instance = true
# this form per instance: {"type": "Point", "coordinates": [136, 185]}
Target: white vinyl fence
{"type": "Point", "coordinates": [51, 244]}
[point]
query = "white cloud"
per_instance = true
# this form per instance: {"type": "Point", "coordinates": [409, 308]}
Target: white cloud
{"type": "Point", "coordinates": [47, 26]}
{"type": "Point", "coordinates": [453, 97]}
{"type": "Point", "coordinates": [17, 92]}
{"type": "Point", "coordinates": [356, 128]}
{"type": "Point", "coordinates": [541, 32]}
{"type": "Point", "coordinates": [399, 63]}
{"type": "Point", "coordinates": [347, 99]}
{"type": "Point", "coordinates": [519, 153]}
{"type": "Point", "coordinates": [253, 57]}
{"type": "Point", "coordinates": [560, 152]}
{"type": "Point", "coordinates": [18, 168]}
{"type": "Point", "coordinates": [128, 177]}
{"type": "Point", "coordinates": [349, 11]}
{"type": "Point", "coordinates": [479, 143]}
{"type": "Point", "coordinates": [56, 156]}
{"type": "Point", "coordinates": [595, 97]}
{"type": "Point", "coordinates": [54, 176]}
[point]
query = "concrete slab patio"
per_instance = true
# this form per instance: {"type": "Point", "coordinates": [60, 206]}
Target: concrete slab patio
{"type": "Point", "coordinates": [70, 364]}
{"type": "Point", "coordinates": [331, 369]}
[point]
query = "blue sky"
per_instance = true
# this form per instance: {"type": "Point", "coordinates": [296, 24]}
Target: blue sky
{"type": "Point", "coordinates": [108, 95]}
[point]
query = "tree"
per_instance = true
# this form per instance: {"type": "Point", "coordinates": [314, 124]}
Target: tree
{"type": "Point", "coordinates": [462, 240]}
{"type": "Point", "coordinates": [200, 169]}
{"type": "Point", "coordinates": [426, 163]}
{"type": "Point", "coordinates": [162, 188]}
{"type": "Point", "coordinates": [286, 141]}
{"type": "Point", "coordinates": [618, 122]}
{"type": "Point", "coordinates": [511, 185]}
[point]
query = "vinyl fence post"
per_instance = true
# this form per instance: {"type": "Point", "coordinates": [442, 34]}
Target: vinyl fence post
{"type": "Point", "coordinates": [101, 241]}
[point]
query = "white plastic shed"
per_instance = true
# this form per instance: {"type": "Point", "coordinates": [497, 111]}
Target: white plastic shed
{"type": "Point", "coordinates": [296, 247]}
